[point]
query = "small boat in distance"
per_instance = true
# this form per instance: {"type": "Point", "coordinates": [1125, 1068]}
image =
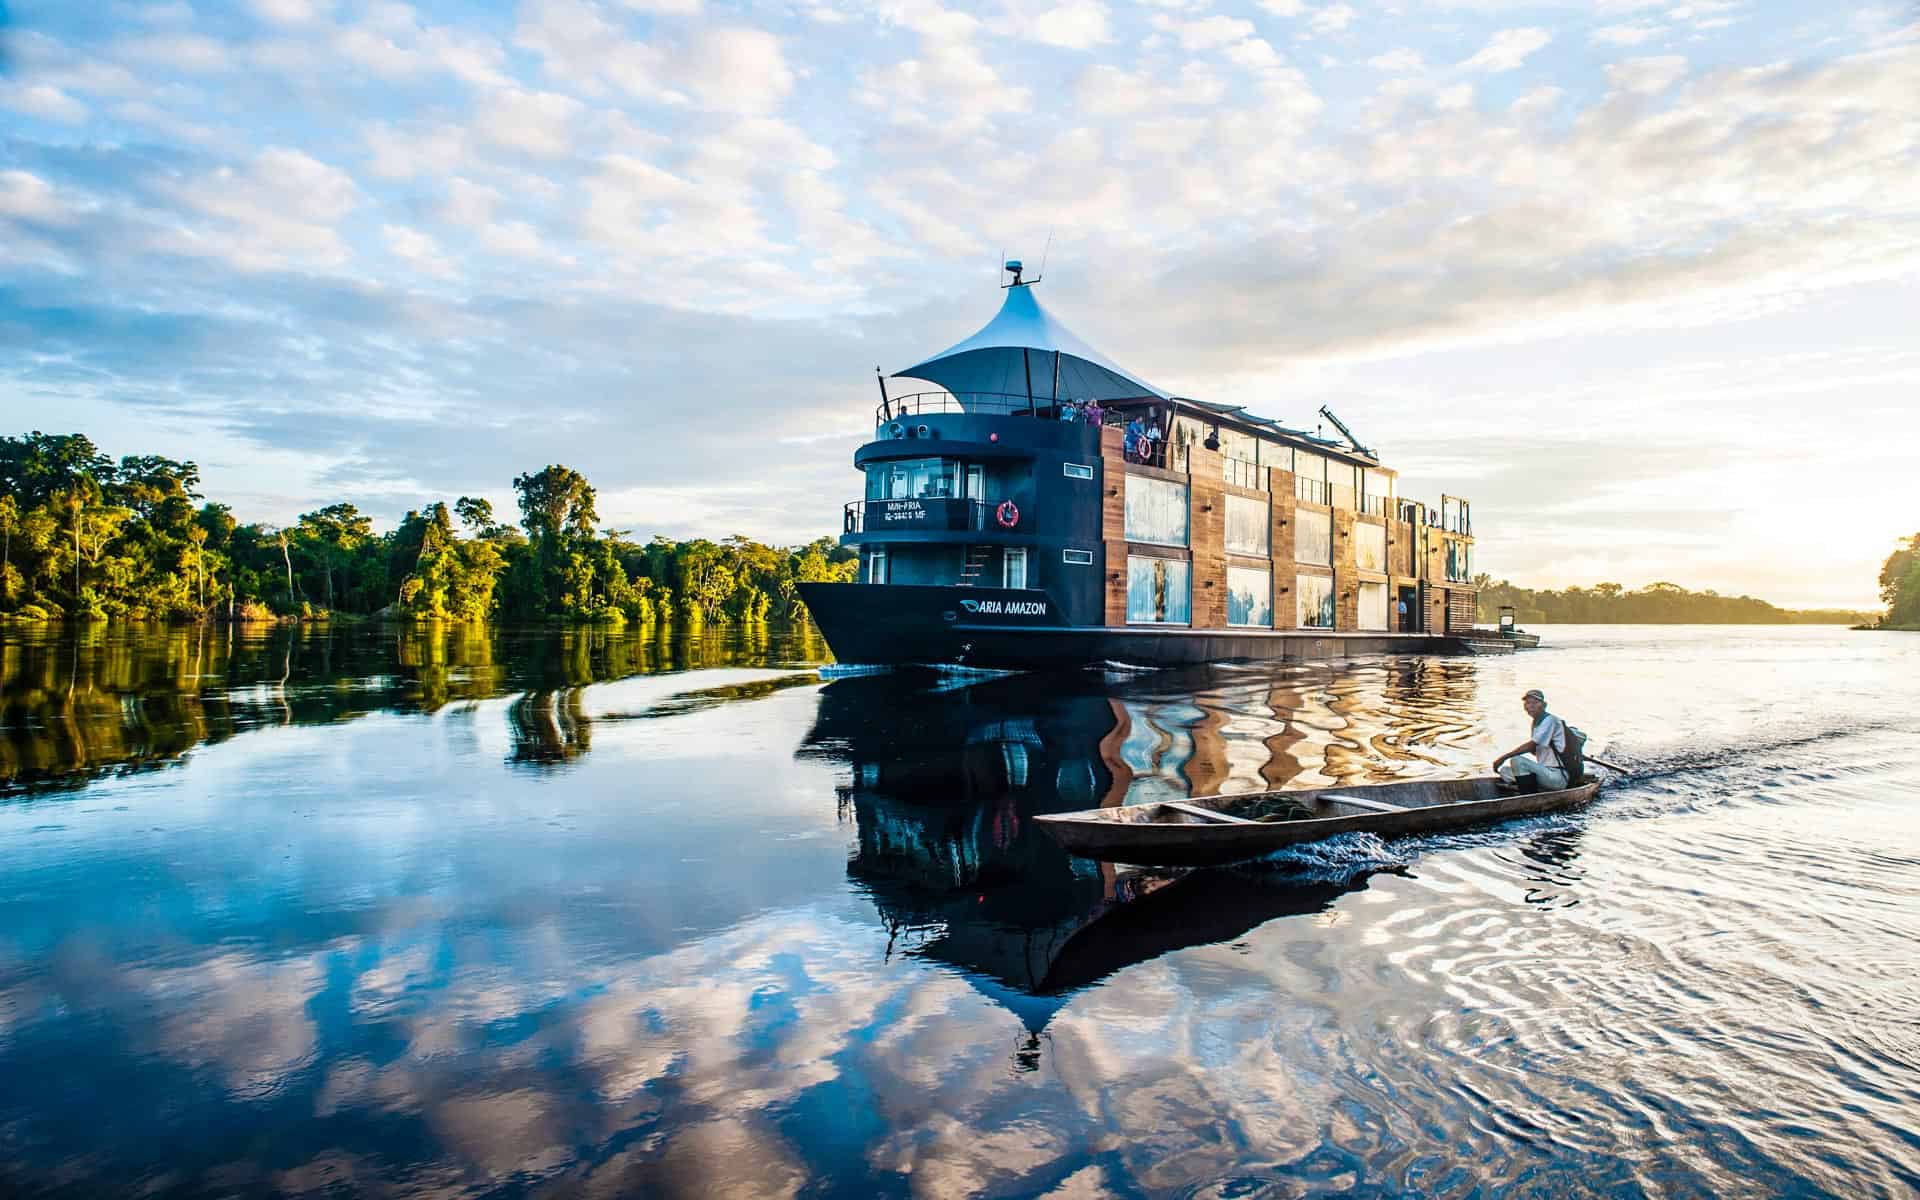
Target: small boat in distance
{"type": "Point", "coordinates": [1211, 830]}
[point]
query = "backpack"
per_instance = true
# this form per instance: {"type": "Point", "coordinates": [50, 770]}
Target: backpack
{"type": "Point", "coordinates": [1573, 760]}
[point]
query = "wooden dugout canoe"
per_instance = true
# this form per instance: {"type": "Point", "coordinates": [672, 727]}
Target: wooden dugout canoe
{"type": "Point", "coordinates": [1209, 830]}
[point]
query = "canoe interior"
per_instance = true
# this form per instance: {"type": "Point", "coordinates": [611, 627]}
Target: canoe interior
{"type": "Point", "coordinates": [1305, 804]}
{"type": "Point", "coordinates": [1215, 829]}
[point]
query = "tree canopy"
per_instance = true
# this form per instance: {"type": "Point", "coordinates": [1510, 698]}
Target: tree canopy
{"type": "Point", "coordinates": [1661, 603]}
{"type": "Point", "coordinates": [82, 535]}
{"type": "Point", "coordinates": [1900, 585]}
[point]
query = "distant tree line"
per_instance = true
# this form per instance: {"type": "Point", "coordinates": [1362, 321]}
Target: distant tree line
{"type": "Point", "coordinates": [86, 537]}
{"type": "Point", "coordinates": [1655, 604]}
{"type": "Point", "coordinates": [1900, 586]}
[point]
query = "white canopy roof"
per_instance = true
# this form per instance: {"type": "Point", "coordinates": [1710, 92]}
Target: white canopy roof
{"type": "Point", "coordinates": [1019, 347]}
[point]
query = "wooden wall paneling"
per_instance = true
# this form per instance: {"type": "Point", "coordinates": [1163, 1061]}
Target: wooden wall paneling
{"type": "Point", "coordinates": [1346, 593]}
{"type": "Point", "coordinates": [1207, 496]}
{"type": "Point", "coordinates": [1286, 605]}
{"type": "Point", "coordinates": [1113, 523]}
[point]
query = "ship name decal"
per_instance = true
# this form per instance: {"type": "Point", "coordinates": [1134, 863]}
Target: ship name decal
{"type": "Point", "coordinates": [1010, 608]}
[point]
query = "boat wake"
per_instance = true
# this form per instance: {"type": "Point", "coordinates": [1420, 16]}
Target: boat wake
{"type": "Point", "coordinates": [1337, 860]}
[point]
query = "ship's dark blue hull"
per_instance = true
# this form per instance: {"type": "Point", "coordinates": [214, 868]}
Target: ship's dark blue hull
{"type": "Point", "coordinates": [896, 624]}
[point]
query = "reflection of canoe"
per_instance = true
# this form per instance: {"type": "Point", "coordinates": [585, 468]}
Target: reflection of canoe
{"type": "Point", "coordinates": [1219, 829]}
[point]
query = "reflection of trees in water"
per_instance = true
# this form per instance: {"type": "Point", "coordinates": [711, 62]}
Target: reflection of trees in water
{"type": "Point", "coordinates": [80, 702]}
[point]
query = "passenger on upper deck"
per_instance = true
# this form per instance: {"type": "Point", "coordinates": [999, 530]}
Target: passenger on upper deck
{"type": "Point", "coordinates": [1535, 765]}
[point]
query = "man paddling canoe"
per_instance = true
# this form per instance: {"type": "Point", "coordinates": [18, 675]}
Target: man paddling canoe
{"type": "Point", "coordinates": [1536, 765]}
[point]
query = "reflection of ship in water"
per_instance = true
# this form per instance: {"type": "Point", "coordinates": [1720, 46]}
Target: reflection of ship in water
{"type": "Point", "coordinates": [944, 779]}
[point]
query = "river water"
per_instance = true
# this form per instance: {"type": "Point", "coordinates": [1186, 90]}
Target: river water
{"type": "Point", "coordinates": [435, 913]}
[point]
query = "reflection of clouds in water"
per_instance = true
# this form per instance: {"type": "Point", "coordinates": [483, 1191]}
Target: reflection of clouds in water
{"type": "Point", "coordinates": [245, 1017]}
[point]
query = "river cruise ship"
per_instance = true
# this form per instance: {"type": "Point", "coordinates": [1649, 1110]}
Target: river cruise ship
{"type": "Point", "coordinates": [1030, 503]}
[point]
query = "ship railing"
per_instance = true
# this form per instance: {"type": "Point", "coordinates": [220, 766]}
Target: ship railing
{"type": "Point", "coordinates": [1001, 404]}
{"type": "Point", "coordinates": [910, 514]}
{"type": "Point", "coordinates": [1313, 491]}
{"type": "Point", "coordinates": [1377, 506]}
{"type": "Point", "coordinates": [1241, 473]}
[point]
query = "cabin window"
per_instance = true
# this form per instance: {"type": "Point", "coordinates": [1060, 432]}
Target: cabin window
{"type": "Point", "coordinates": [1013, 567]}
{"type": "Point", "coordinates": [1316, 601]}
{"type": "Point", "coordinates": [913, 479]}
{"type": "Point", "coordinates": [1373, 606]}
{"type": "Point", "coordinates": [1248, 527]}
{"type": "Point", "coordinates": [1370, 546]}
{"type": "Point", "coordinates": [1076, 470]}
{"type": "Point", "coordinates": [1249, 597]}
{"type": "Point", "coordinates": [1156, 511]}
{"type": "Point", "coordinates": [1159, 591]}
{"type": "Point", "coordinates": [876, 564]}
{"type": "Point", "coordinates": [1079, 558]}
{"type": "Point", "coordinates": [1313, 537]}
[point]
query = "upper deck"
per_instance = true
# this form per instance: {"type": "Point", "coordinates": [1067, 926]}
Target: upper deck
{"type": "Point", "coordinates": [1035, 464]}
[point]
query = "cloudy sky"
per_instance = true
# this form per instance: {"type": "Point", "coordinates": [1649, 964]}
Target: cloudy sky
{"type": "Point", "coordinates": [1641, 279]}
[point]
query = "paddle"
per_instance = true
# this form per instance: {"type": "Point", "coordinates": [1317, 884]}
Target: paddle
{"type": "Point", "coordinates": [1601, 762]}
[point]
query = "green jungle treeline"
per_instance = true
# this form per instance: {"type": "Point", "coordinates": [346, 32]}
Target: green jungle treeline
{"type": "Point", "coordinates": [1654, 604]}
{"type": "Point", "coordinates": [85, 537]}
{"type": "Point", "coordinates": [1900, 586]}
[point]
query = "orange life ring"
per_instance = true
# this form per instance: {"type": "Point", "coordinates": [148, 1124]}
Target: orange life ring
{"type": "Point", "coordinates": [1008, 514]}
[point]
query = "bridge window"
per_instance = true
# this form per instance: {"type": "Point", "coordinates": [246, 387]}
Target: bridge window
{"type": "Point", "coordinates": [1076, 470]}
{"type": "Point", "coordinates": [1079, 558]}
{"type": "Point", "coordinates": [913, 479]}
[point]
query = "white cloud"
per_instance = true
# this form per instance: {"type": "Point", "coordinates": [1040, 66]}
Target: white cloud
{"type": "Point", "coordinates": [469, 204]}
{"type": "Point", "coordinates": [418, 249]}
{"type": "Point", "coordinates": [406, 153]}
{"type": "Point", "coordinates": [1507, 50]}
{"type": "Point", "coordinates": [190, 52]}
{"type": "Point", "coordinates": [42, 100]}
{"type": "Point", "coordinates": [1626, 35]}
{"type": "Point", "coordinates": [737, 70]}
{"type": "Point", "coordinates": [290, 12]}
{"type": "Point", "coordinates": [1208, 33]}
{"type": "Point", "coordinates": [1332, 19]}
{"type": "Point", "coordinates": [535, 123]}
{"type": "Point", "coordinates": [676, 8]}
{"type": "Point", "coordinates": [1074, 25]}
{"type": "Point", "coordinates": [1647, 76]}
{"type": "Point", "coordinates": [1398, 61]}
{"type": "Point", "coordinates": [1284, 8]}
{"type": "Point", "coordinates": [26, 196]}
{"type": "Point", "coordinates": [283, 209]}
